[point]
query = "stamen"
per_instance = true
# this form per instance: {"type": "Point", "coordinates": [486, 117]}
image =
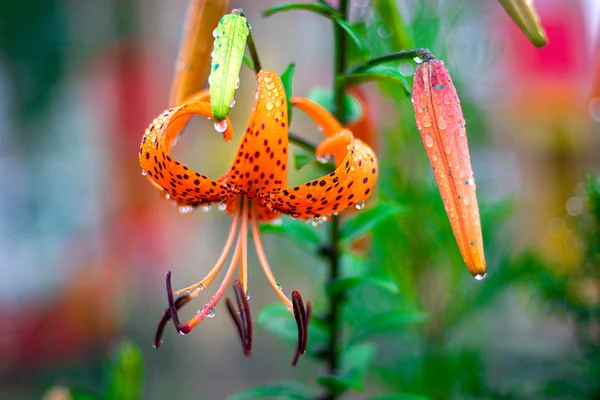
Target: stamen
{"type": "Point", "coordinates": [198, 287]}
{"type": "Point", "coordinates": [166, 316]}
{"type": "Point", "coordinates": [302, 316]}
{"type": "Point", "coordinates": [199, 317]}
{"type": "Point", "coordinates": [241, 316]}
{"type": "Point", "coordinates": [244, 237]}
{"type": "Point", "coordinates": [260, 252]}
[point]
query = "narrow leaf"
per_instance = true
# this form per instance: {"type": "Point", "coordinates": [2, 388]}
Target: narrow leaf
{"type": "Point", "coordinates": [326, 12]}
{"type": "Point", "coordinates": [300, 233]}
{"type": "Point", "coordinates": [302, 159]}
{"type": "Point", "coordinates": [287, 78]}
{"type": "Point", "coordinates": [355, 36]}
{"type": "Point", "coordinates": [342, 285]}
{"type": "Point", "coordinates": [399, 396]}
{"type": "Point", "coordinates": [289, 390]}
{"type": "Point", "coordinates": [366, 221]}
{"type": "Point", "coordinates": [126, 373]}
{"type": "Point", "coordinates": [388, 321]}
{"type": "Point", "coordinates": [351, 106]}
{"type": "Point", "coordinates": [376, 74]}
{"type": "Point", "coordinates": [320, 9]}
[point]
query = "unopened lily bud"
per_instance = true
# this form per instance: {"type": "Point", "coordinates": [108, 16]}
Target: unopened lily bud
{"type": "Point", "coordinates": [524, 15]}
{"type": "Point", "coordinates": [227, 56]}
{"type": "Point", "coordinates": [193, 61]}
{"type": "Point", "coordinates": [440, 121]}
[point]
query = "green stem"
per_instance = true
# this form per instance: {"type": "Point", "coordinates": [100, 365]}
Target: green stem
{"type": "Point", "coordinates": [335, 301]}
{"type": "Point", "coordinates": [298, 141]}
{"type": "Point", "coordinates": [425, 54]}
{"type": "Point", "coordinates": [252, 48]}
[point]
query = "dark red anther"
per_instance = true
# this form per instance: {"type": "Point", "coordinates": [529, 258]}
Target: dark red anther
{"type": "Point", "coordinates": [171, 313]}
{"type": "Point", "coordinates": [302, 316]}
{"type": "Point", "coordinates": [241, 316]}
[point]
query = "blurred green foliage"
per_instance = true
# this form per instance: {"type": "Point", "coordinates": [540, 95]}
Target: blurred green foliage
{"type": "Point", "coordinates": [409, 297]}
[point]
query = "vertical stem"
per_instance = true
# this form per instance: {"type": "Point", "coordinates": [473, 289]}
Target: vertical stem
{"type": "Point", "coordinates": [335, 301]}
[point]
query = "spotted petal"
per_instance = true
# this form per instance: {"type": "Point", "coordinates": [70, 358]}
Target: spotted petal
{"type": "Point", "coordinates": [182, 184]}
{"type": "Point", "coordinates": [350, 184]}
{"type": "Point", "coordinates": [260, 164]}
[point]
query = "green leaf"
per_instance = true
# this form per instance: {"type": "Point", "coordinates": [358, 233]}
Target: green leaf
{"type": "Point", "coordinates": [299, 232]}
{"type": "Point", "coordinates": [286, 390]}
{"type": "Point", "coordinates": [302, 159]}
{"type": "Point", "coordinates": [287, 78]}
{"type": "Point", "coordinates": [355, 361]}
{"type": "Point", "coordinates": [334, 384]}
{"type": "Point", "coordinates": [248, 62]}
{"type": "Point", "coordinates": [320, 9]}
{"type": "Point", "coordinates": [388, 321]}
{"type": "Point", "coordinates": [278, 320]}
{"type": "Point", "coordinates": [342, 285]}
{"type": "Point", "coordinates": [381, 73]}
{"type": "Point", "coordinates": [368, 220]}
{"type": "Point", "coordinates": [327, 12]}
{"type": "Point", "coordinates": [125, 373]}
{"type": "Point", "coordinates": [355, 36]}
{"type": "Point", "coordinates": [60, 392]}
{"type": "Point", "coordinates": [399, 396]}
{"type": "Point", "coordinates": [351, 106]}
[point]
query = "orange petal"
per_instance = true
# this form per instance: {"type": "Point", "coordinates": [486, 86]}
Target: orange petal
{"type": "Point", "coordinates": [260, 164]}
{"type": "Point", "coordinates": [442, 126]}
{"type": "Point", "coordinates": [193, 60]}
{"type": "Point", "coordinates": [349, 185]}
{"type": "Point", "coordinates": [182, 184]}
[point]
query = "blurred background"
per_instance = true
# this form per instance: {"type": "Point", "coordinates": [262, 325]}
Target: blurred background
{"type": "Point", "coordinates": [85, 241]}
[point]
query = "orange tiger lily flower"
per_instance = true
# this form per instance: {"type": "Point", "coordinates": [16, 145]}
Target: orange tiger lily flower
{"type": "Point", "coordinates": [254, 190]}
{"type": "Point", "coordinates": [440, 121]}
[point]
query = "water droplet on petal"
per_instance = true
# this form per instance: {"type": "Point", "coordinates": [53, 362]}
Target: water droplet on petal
{"type": "Point", "coordinates": [206, 208]}
{"type": "Point", "coordinates": [480, 277]}
{"type": "Point", "coordinates": [428, 140]}
{"type": "Point", "coordinates": [277, 222]}
{"type": "Point", "coordinates": [186, 209]}
{"type": "Point", "coordinates": [360, 205]}
{"type": "Point", "coordinates": [144, 173]}
{"type": "Point", "coordinates": [232, 104]}
{"type": "Point", "coordinates": [324, 159]}
{"type": "Point", "coordinates": [269, 106]}
{"type": "Point", "coordinates": [237, 83]}
{"type": "Point", "coordinates": [167, 195]}
{"type": "Point", "coordinates": [222, 207]}
{"type": "Point", "coordinates": [221, 126]}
